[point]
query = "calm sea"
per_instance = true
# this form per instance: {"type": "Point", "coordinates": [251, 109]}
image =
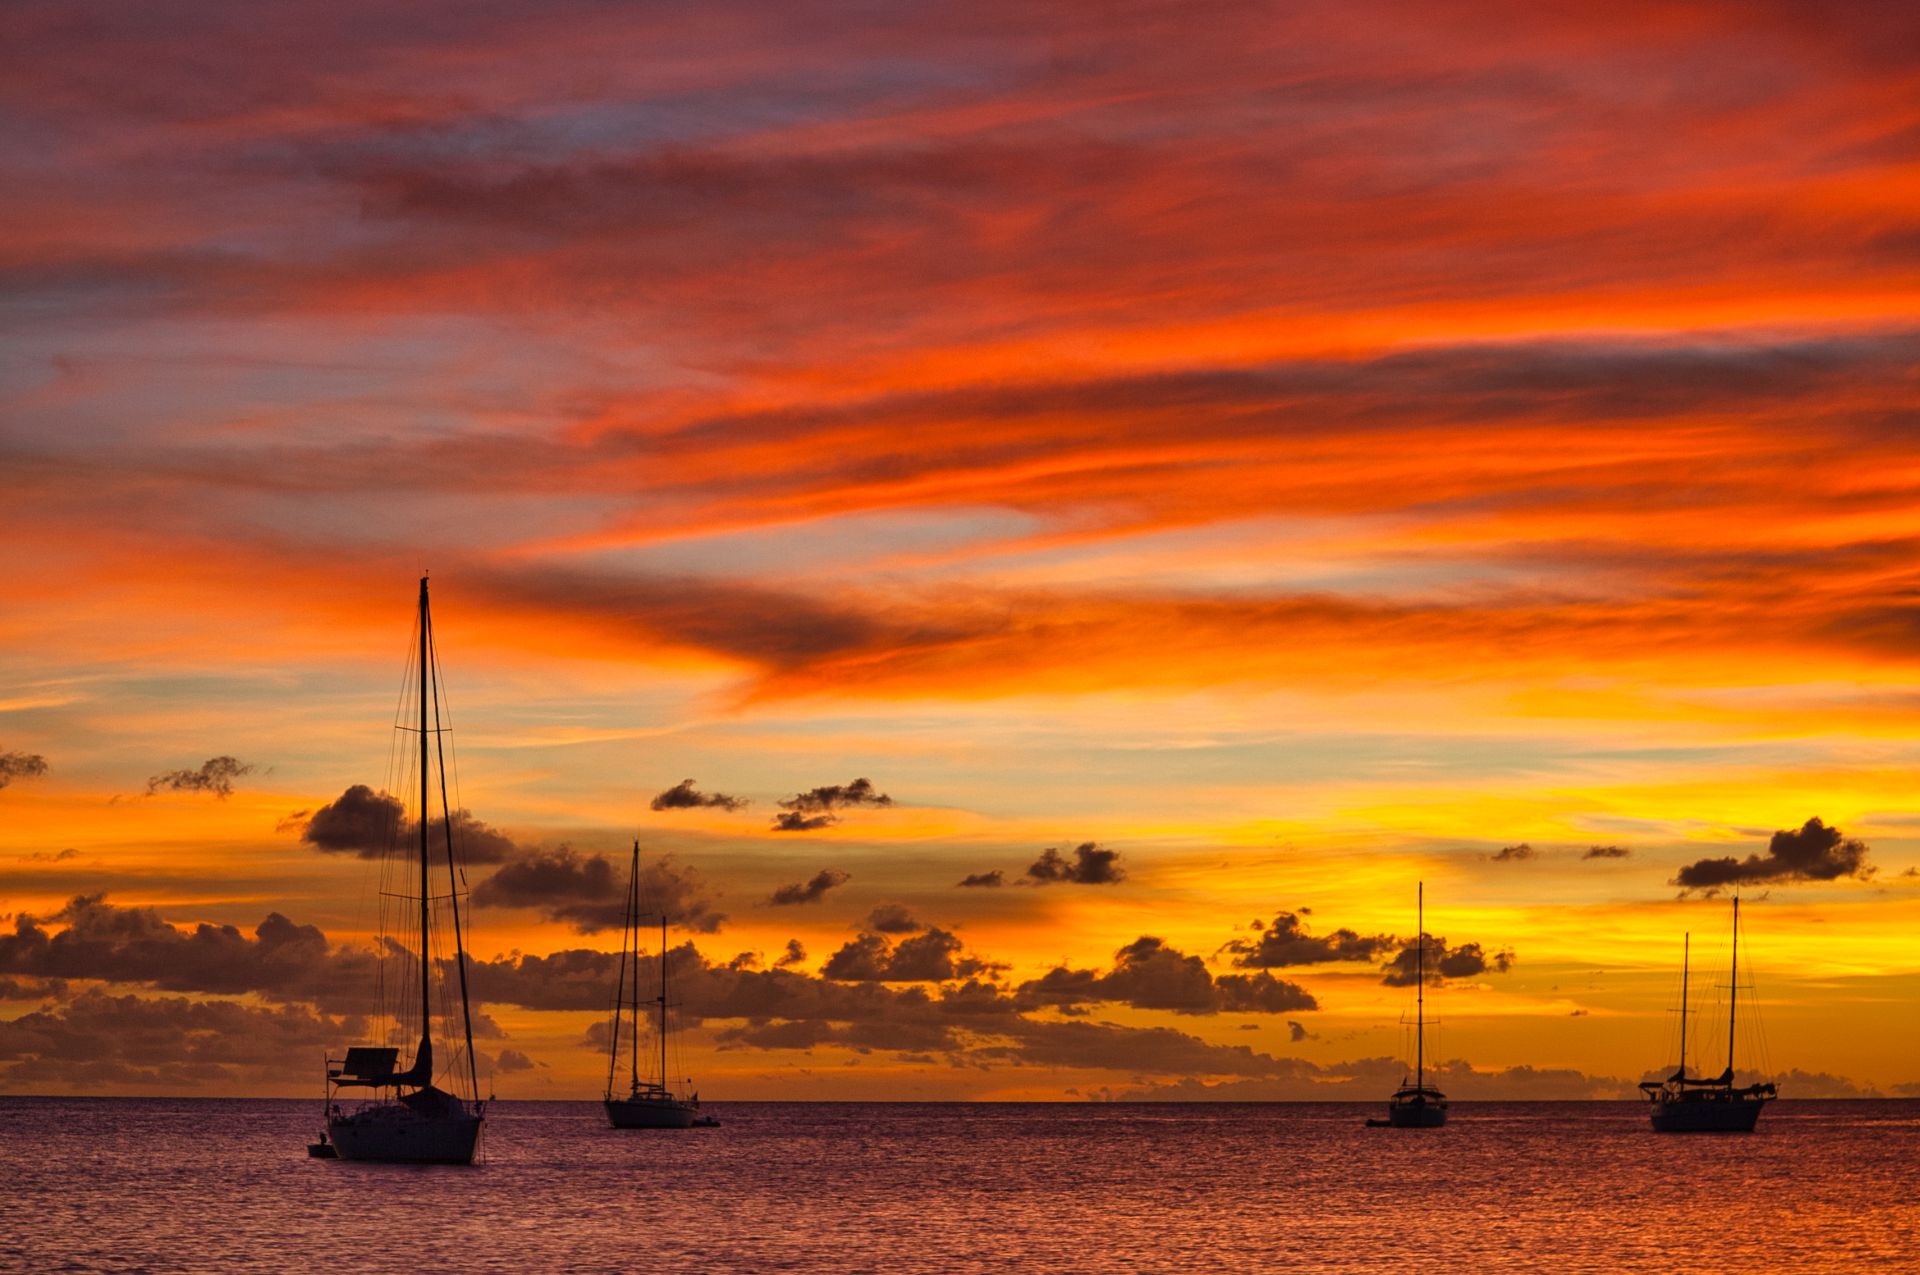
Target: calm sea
{"type": "Point", "coordinates": [185, 1185]}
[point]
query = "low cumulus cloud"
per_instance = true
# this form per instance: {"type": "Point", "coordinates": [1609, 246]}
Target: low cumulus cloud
{"type": "Point", "coordinates": [359, 821]}
{"type": "Point", "coordinates": [820, 807]}
{"type": "Point", "coordinates": [1443, 962]}
{"type": "Point", "coordinates": [148, 1044]}
{"type": "Point", "coordinates": [21, 766]}
{"type": "Point", "coordinates": [1149, 974]}
{"type": "Point", "coordinates": [1091, 864]}
{"type": "Point", "coordinates": [215, 775]}
{"type": "Point", "coordinates": [796, 954]}
{"type": "Point", "coordinates": [932, 957]}
{"type": "Point", "coordinates": [50, 856]}
{"type": "Point", "coordinates": [369, 824]}
{"type": "Point", "coordinates": [1286, 941]}
{"type": "Point", "coordinates": [1606, 852]}
{"type": "Point", "coordinates": [1296, 1079]}
{"type": "Point", "coordinates": [33, 989]}
{"type": "Point", "coordinates": [811, 890]}
{"type": "Point", "coordinates": [987, 879]}
{"type": "Point", "coordinates": [918, 999]}
{"type": "Point", "coordinates": [1813, 853]}
{"type": "Point", "coordinates": [832, 797]}
{"type": "Point", "coordinates": [512, 1060]}
{"type": "Point", "coordinates": [794, 821]}
{"type": "Point", "coordinates": [587, 892]}
{"type": "Point", "coordinates": [1515, 854]}
{"type": "Point", "coordinates": [101, 940]}
{"type": "Point", "coordinates": [280, 961]}
{"type": "Point", "coordinates": [892, 918]}
{"type": "Point", "coordinates": [683, 796]}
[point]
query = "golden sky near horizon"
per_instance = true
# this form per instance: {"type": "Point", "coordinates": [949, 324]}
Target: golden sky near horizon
{"type": "Point", "coordinates": [1294, 451]}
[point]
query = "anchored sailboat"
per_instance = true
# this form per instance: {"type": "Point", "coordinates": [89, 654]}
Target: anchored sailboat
{"type": "Point", "coordinates": [408, 1118]}
{"type": "Point", "coordinates": [1699, 1104]}
{"type": "Point", "coordinates": [648, 1104]}
{"type": "Point", "coordinates": [1417, 1105]}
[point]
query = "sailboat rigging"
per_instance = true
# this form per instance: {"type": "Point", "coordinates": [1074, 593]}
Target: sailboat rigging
{"type": "Point", "coordinates": [649, 1103]}
{"type": "Point", "coordinates": [1702, 1104]}
{"type": "Point", "coordinates": [409, 1118]}
{"type": "Point", "coordinates": [1417, 1105]}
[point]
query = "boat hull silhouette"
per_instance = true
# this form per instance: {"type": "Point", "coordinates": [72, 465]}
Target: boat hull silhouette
{"type": "Point", "coordinates": [651, 1113]}
{"type": "Point", "coordinates": [1417, 1109]}
{"type": "Point", "coordinates": [1709, 1112]}
{"type": "Point", "coordinates": [394, 1133]}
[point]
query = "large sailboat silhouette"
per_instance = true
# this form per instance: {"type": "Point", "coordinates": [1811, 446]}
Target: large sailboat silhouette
{"type": "Point", "coordinates": [1707, 1104]}
{"type": "Point", "coordinates": [409, 1118]}
{"type": "Point", "coordinates": [650, 1102]}
{"type": "Point", "coordinates": [1416, 1104]}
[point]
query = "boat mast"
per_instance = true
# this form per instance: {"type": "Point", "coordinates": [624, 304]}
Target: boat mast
{"type": "Point", "coordinates": [1420, 992]}
{"type": "Point", "coordinates": [663, 995]}
{"type": "Point", "coordinates": [1733, 992]}
{"type": "Point", "coordinates": [633, 927]}
{"type": "Point", "coordinates": [1686, 948]}
{"type": "Point", "coordinates": [426, 1020]}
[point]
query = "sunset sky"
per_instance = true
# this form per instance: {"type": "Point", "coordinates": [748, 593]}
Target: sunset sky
{"type": "Point", "coordinates": [1267, 455]}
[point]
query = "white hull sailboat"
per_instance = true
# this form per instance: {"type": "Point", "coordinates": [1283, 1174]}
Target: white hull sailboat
{"type": "Point", "coordinates": [428, 1126]}
{"type": "Point", "coordinates": [1416, 1104]}
{"type": "Point", "coordinates": [651, 1111]}
{"type": "Point", "coordinates": [408, 1118]}
{"type": "Point", "coordinates": [1703, 1104]}
{"type": "Point", "coordinates": [648, 1103]}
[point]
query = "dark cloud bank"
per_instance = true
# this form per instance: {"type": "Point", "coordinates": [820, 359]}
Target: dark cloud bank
{"type": "Point", "coordinates": [1148, 974]}
{"type": "Point", "coordinates": [922, 995]}
{"type": "Point", "coordinates": [587, 892]}
{"type": "Point", "coordinates": [1285, 941]}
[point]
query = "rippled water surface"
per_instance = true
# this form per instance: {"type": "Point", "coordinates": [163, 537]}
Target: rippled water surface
{"type": "Point", "coordinates": [98, 1184]}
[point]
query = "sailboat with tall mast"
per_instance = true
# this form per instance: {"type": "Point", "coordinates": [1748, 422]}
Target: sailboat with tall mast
{"type": "Point", "coordinates": [1703, 1104]}
{"type": "Point", "coordinates": [649, 1103]}
{"type": "Point", "coordinates": [1416, 1104]}
{"type": "Point", "coordinates": [407, 1117]}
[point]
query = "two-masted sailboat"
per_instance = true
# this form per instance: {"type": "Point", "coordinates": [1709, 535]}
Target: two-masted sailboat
{"type": "Point", "coordinates": [406, 1116]}
{"type": "Point", "coordinates": [1701, 1104]}
{"type": "Point", "coordinates": [649, 1103]}
{"type": "Point", "coordinates": [1416, 1104]}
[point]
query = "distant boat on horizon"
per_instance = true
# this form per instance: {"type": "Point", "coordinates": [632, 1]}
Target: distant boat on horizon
{"type": "Point", "coordinates": [1417, 1105]}
{"type": "Point", "coordinates": [410, 1119]}
{"type": "Point", "coordinates": [649, 1103]}
{"type": "Point", "coordinates": [1698, 1104]}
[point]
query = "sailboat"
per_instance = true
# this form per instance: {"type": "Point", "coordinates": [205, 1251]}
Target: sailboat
{"type": "Point", "coordinates": [407, 1117]}
{"type": "Point", "coordinates": [1700, 1104]}
{"type": "Point", "coordinates": [1417, 1105]}
{"type": "Point", "coordinates": [648, 1104]}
